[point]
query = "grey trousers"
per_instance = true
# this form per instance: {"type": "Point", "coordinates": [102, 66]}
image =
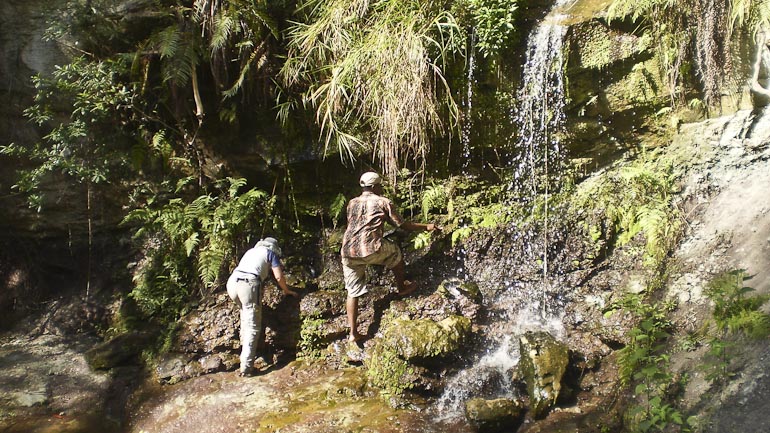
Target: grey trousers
{"type": "Point", "coordinates": [246, 294]}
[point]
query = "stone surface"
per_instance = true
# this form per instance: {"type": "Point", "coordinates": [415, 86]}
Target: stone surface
{"type": "Point", "coordinates": [121, 350]}
{"type": "Point", "coordinates": [424, 338]}
{"type": "Point", "coordinates": [494, 415]}
{"type": "Point", "coordinates": [543, 363]}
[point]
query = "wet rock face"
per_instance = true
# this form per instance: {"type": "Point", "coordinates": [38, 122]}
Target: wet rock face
{"type": "Point", "coordinates": [213, 327]}
{"type": "Point", "coordinates": [24, 53]}
{"type": "Point", "coordinates": [121, 350]}
{"type": "Point", "coordinates": [543, 363]}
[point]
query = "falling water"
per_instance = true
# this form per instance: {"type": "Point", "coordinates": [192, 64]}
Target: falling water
{"type": "Point", "coordinates": [465, 138]}
{"type": "Point", "coordinates": [524, 305]}
{"type": "Point", "coordinates": [540, 116]}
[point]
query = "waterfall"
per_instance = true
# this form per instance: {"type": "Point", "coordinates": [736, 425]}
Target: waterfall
{"type": "Point", "coordinates": [465, 138]}
{"type": "Point", "coordinates": [523, 305]}
{"type": "Point", "coordinates": [540, 113]}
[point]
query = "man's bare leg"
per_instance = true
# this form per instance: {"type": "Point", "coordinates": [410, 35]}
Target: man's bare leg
{"type": "Point", "coordinates": [351, 306]}
{"type": "Point", "coordinates": [404, 287]}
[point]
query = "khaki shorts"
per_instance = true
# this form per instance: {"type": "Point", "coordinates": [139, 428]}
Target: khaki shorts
{"type": "Point", "coordinates": [354, 268]}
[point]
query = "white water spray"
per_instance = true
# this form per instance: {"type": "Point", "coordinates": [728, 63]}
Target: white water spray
{"type": "Point", "coordinates": [523, 306]}
{"type": "Point", "coordinates": [540, 116]}
{"type": "Point", "coordinates": [465, 138]}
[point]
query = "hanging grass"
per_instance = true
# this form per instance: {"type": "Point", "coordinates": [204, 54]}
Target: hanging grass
{"type": "Point", "coordinates": [696, 33]}
{"type": "Point", "coordinates": [373, 75]}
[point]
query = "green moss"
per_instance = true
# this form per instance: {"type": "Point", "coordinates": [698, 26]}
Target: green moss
{"type": "Point", "coordinates": [424, 338]}
{"type": "Point", "coordinates": [600, 47]}
{"type": "Point", "coordinates": [388, 371]}
{"type": "Point", "coordinates": [543, 363]}
{"type": "Point", "coordinates": [339, 398]}
{"type": "Point", "coordinates": [643, 85]}
{"type": "Point", "coordinates": [493, 415]}
{"type": "Point", "coordinates": [311, 337]}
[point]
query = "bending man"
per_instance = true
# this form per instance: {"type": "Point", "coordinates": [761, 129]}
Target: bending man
{"type": "Point", "coordinates": [363, 244]}
{"type": "Point", "coordinates": [245, 288]}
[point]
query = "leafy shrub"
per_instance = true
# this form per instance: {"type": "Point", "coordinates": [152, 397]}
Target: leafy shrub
{"type": "Point", "coordinates": [733, 310]}
{"type": "Point", "coordinates": [494, 23]}
{"type": "Point", "coordinates": [311, 338]}
{"type": "Point", "coordinates": [190, 245]}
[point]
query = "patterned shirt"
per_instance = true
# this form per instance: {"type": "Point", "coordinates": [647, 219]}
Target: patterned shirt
{"type": "Point", "coordinates": [366, 215]}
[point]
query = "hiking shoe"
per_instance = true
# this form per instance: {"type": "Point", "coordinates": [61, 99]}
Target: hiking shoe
{"type": "Point", "coordinates": [261, 364]}
{"type": "Point", "coordinates": [248, 372]}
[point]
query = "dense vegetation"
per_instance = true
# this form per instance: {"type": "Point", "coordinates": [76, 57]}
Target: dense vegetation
{"type": "Point", "coordinates": [156, 93]}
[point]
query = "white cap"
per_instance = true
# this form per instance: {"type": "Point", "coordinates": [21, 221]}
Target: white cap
{"type": "Point", "coordinates": [370, 178]}
{"type": "Point", "coordinates": [271, 244]}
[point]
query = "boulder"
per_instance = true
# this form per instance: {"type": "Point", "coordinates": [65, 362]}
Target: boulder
{"type": "Point", "coordinates": [121, 350]}
{"type": "Point", "coordinates": [543, 363]}
{"type": "Point", "coordinates": [425, 338]}
{"type": "Point", "coordinates": [494, 415]}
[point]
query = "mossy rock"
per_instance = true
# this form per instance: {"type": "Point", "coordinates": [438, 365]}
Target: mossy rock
{"type": "Point", "coordinates": [456, 288]}
{"type": "Point", "coordinates": [494, 415]}
{"type": "Point", "coordinates": [543, 363]}
{"type": "Point", "coordinates": [425, 338]}
{"type": "Point", "coordinates": [596, 46]}
{"type": "Point", "coordinates": [389, 372]}
{"type": "Point", "coordinates": [121, 350]}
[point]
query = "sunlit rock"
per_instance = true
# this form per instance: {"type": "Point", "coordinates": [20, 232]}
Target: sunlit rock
{"type": "Point", "coordinates": [425, 338]}
{"type": "Point", "coordinates": [543, 363]}
{"type": "Point", "coordinates": [494, 415]}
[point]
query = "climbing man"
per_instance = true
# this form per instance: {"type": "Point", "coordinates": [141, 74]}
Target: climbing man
{"type": "Point", "coordinates": [245, 288]}
{"type": "Point", "coordinates": [363, 244]}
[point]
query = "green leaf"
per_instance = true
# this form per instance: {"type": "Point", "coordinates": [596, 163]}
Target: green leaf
{"type": "Point", "coordinates": [191, 243]}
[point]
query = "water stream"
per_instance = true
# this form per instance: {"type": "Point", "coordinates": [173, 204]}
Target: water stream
{"type": "Point", "coordinates": [465, 138]}
{"type": "Point", "coordinates": [524, 305]}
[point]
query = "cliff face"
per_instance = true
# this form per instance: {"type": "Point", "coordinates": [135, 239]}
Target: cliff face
{"type": "Point", "coordinates": [23, 53]}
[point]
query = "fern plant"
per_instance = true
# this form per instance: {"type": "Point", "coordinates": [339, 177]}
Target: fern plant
{"type": "Point", "coordinates": [734, 311]}
{"type": "Point", "coordinates": [434, 197]}
{"type": "Point", "coordinates": [644, 363]}
{"type": "Point", "coordinates": [337, 208]}
{"type": "Point", "coordinates": [637, 199]}
{"type": "Point", "coordinates": [190, 245]}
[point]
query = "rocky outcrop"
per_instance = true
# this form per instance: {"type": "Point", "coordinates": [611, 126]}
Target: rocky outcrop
{"type": "Point", "coordinates": [543, 363]}
{"type": "Point", "coordinates": [425, 338]}
{"type": "Point", "coordinates": [494, 415]}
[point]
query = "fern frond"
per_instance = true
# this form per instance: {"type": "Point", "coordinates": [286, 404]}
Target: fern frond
{"type": "Point", "coordinates": [167, 41]}
{"type": "Point", "coordinates": [434, 197]}
{"type": "Point", "coordinates": [191, 242]}
{"type": "Point", "coordinates": [222, 29]}
{"type": "Point", "coordinates": [337, 208]}
{"type": "Point", "coordinates": [267, 21]}
{"type": "Point", "coordinates": [200, 208]}
{"type": "Point", "coordinates": [235, 185]}
{"type": "Point", "coordinates": [210, 262]}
